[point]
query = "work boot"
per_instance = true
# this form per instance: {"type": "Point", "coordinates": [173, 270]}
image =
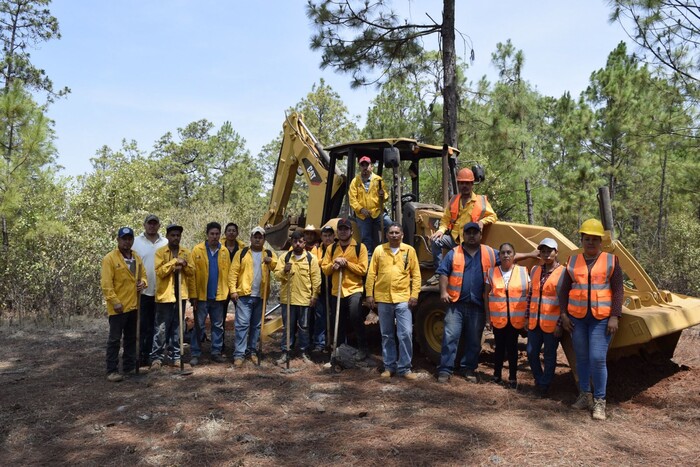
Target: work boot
{"type": "Point", "coordinates": [541, 391]}
{"type": "Point", "coordinates": [411, 376]}
{"type": "Point", "coordinates": [435, 280]}
{"type": "Point", "coordinates": [386, 374]}
{"type": "Point", "coordinates": [238, 362]}
{"type": "Point", "coordinates": [584, 401]}
{"type": "Point", "coordinates": [470, 376]}
{"type": "Point", "coordinates": [305, 357]}
{"type": "Point", "coordinates": [115, 377]}
{"type": "Point", "coordinates": [443, 378]}
{"type": "Point", "coordinates": [156, 365]}
{"type": "Point", "coordinates": [497, 380]}
{"type": "Point", "coordinates": [217, 358]}
{"type": "Point", "coordinates": [283, 359]}
{"type": "Point", "coordinates": [176, 363]}
{"type": "Point", "coordinates": [598, 409]}
{"type": "Point", "coordinates": [254, 358]}
{"type": "Point", "coordinates": [194, 361]}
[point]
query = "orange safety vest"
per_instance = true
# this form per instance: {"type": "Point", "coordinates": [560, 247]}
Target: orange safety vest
{"type": "Point", "coordinates": [508, 303]}
{"type": "Point", "coordinates": [590, 288]}
{"type": "Point", "coordinates": [454, 280]}
{"type": "Point", "coordinates": [478, 210]}
{"type": "Point", "coordinates": [544, 303]}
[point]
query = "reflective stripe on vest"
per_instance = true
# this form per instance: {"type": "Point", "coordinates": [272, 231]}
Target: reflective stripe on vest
{"type": "Point", "coordinates": [454, 280]}
{"type": "Point", "coordinates": [544, 303]}
{"type": "Point", "coordinates": [508, 304]}
{"type": "Point", "coordinates": [478, 210]}
{"type": "Point", "coordinates": [590, 288]}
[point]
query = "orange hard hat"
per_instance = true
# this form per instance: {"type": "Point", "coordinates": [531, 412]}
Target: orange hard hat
{"type": "Point", "coordinates": [465, 175]}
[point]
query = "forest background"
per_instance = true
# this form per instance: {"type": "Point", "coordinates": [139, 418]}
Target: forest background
{"type": "Point", "coordinates": [633, 129]}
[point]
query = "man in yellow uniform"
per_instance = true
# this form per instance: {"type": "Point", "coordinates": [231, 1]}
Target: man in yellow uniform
{"type": "Point", "coordinates": [367, 196]}
{"type": "Point", "coordinates": [393, 283]}
{"type": "Point", "coordinates": [171, 261]}
{"type": "Point", "coordinates": [319, 338]}
{"type": "Point", "coordinates": [123, 277]}
{"type": "Point", "coordinates": [351, 258]}
{"type": "Point", "coordinates": [248, 283]}
{"type": "Point", "coordinates": [463, 208]}
{"type": "Point", "coordinates": [211, 263]}
{"type": "Point", "coordinates": [300, 279]}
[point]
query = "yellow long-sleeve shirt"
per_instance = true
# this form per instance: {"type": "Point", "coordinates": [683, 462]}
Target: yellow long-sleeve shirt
{"type": "Point", "coordinates": [305, 279]}
{"type": "Point", "coordinates": [393, 278]}
{"type": "Point", "coordinates": [118, 283]}
{"type": "Point", "coordinates": [240, 275]}
{"type": "Point", "coordinates": [201, 266]}
{"type": "Point", "coordinates": [352, 274]}
{"type": "Point", "coordinates": [465, 216]}
{"type": "Point", "coordinates": [165, 275]}
{"type": "Point", "coordinates": [368, 199]}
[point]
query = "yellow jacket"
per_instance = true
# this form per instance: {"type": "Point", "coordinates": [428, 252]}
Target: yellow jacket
{"type": "Point", "coordinates": [240, 276]}
{"type": "Point", "coordinates": [359, 198]}
{"type": "Point", "coordinates": [201, 266]}
{"type": "Point", "coordinates": [118, 283]}
{"type": "Point", "coordinates": [352, 274]}
{"type": "Point", "coordinates": [393, 278]}
{"type": "Point", "coordinates": [165, 275]}
{"type": "Point", "coordinates": [305, 279]}
{"type": "Point", "coordinates": [465, 216]}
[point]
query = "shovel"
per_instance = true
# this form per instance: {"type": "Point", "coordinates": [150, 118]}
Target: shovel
{"type": "Point", "coordinates": [289, 313]}
{"type": "Point", "coordinates": [262, 313]}
{"type": "Point", "coordinates": [138, 320]}
{"type": "Point", "coordinates": [182, 371]}
{"type": "Point", "coordinates": [331, 364]}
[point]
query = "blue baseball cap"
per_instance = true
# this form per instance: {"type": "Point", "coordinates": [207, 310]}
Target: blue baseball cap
{"type": "Point", "coordinates": [124, 231]}
{"type": "Point", "coordinates": [471, 225]}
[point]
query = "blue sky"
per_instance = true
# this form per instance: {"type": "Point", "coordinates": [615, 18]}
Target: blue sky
{"type": "Point", "coordinates": [140, 68]}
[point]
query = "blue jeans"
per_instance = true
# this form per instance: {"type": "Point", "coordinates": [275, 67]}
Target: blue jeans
{"type": "Point", "coordinates": [166, 331]}
{"type": "Point", "coordinates": [403, 330]}
{"type": "Point", "coordinates": [535, 340]}
{"type": "Point", "coordinates": [591, 343]}
{"type": "Point", "coordinates": [215, 311]}
{"type": "Point", "coordinates": [299, 316]}
{"type": "Point", "coordinates": [446, 241]}
{"type": "Point", "coordinates": [247, 325]}
{"type": "Point", "coordinates": [467, 320]}
{"type": "Point", "coordinates": [320, 316]}
{"type": "Point", "coordinates": [369, 228]}
{"type": "Point", "coordinates": [123, 324]}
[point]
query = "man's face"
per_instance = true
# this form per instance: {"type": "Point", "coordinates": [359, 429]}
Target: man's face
{"type": "Point", "coordinates": [125, 243]}
{"type": "Point", "coordinates": [395, 236]}
{"type": "Point", "coordinates": [465, 188]}
{"type": "Point", "coordinates": [344, 233]}
{"type": "Point", "coordinates": [151, 227]}
{"type": "Point", "coordinates": [174, 237]}
{"type": "Point", "coordinates": [213, 236]}
{"type": "Point", "coordinates": [310, 237]}
{"type": "Point", "coordinates": [365, 169]}
{"type": "Point", "coordinates": [298, 245]}
{"type": "Point", "coordinates": [231, 233]}
{"type": "Point", "coordinates": [257, 240]}
{"type": "Point", "coordinates": [591, 244]}
{"type": "Point", "coordinates": [547, 254]}
{"type": "Point", "coordinates": [327, 238]}
{"type": "Point", "coordinates": [472, 237]}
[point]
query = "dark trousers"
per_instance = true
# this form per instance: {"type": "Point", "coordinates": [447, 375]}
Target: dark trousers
{"type": "Point", "coordinates": [506, 343]}
{"type": "Point", "coordinates": [148, 317]}
{"type": "Point", "coordinates": [123, 324]}
{"type": "Point", "coordinates": [351, 314]}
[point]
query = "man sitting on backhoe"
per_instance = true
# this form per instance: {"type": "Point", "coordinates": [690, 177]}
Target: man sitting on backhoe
{"type": "Point", "coordinates": [367, 197]}
{"type": "Point", "coordinates": [464, 207]}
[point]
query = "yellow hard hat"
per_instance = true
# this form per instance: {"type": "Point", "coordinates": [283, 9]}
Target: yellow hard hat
{"type": "Point", "coordinates": [592, 227]}
{"type": "Point", "coordinates": [465, 175]}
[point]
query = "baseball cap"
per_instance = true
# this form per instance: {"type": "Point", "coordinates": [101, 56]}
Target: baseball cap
{"type": "Point", "coordinates": [124, 231]}
{"type": "Point", "coordinates": [471, 225]}
{"type": "Point", "coordinates": [344, 222]}
{"type": "Point", "coordinates": [257, 230]}
{"type": "Point", "coordinates": [365, 159]}
{"type": "Point", "coordinates": [151, 217]}
{"type": "Point", "coordinates": [173, 227]}
{"type": "Point", "coordinates": [549, 242]}
{"type": "Point", "coordinates": [327, 228]}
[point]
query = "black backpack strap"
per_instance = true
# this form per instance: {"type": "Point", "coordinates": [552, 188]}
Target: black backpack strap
{"type": "Point", "coordinates": [288, 255]}
{"type": "Point", "coordinates": [244, 252]}
{"type": "Point", "coordinates": [308, 258]}
{"type": "Point", "coordinates": [269, 253]}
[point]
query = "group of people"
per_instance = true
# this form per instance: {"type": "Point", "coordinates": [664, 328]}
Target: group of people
{"type": "Point", "coordinates": [327, 269]}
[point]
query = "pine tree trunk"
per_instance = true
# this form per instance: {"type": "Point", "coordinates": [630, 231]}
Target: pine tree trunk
{"type": "Point", "coordinates": [660, 218]}
{"type": "Point", "coordinates": [449, 63]}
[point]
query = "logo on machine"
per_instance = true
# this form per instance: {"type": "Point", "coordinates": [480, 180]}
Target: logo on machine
{"type": "Point", "coordinates": [314, 177]}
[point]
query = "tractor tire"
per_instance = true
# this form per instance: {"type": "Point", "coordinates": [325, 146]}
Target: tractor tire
{"type": "Point", "coordinates": [428, 329]}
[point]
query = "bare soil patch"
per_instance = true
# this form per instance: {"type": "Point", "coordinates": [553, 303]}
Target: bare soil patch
{"type": "Point", "coordinates": [58, 408]}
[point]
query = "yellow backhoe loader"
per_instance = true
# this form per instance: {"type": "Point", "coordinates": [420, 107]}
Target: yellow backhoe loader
{"type": "Point", "coordinates": [652, 319]}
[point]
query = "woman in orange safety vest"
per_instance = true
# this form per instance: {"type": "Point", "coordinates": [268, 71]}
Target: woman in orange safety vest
{"type": "Point", "coordinates": [590, 296]}
{"type": "Point", "coordinates": [506, 293]}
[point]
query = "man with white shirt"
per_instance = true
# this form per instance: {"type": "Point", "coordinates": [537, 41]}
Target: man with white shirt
{"type": "Point", "coordinates": [145, 245]}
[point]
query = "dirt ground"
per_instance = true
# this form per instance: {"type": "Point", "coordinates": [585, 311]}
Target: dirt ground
{"type": "Point", "coordinates": [57, 408]}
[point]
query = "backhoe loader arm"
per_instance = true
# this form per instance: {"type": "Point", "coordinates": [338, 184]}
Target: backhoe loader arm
{"type": "Point", "coordinates": [300, 153]}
